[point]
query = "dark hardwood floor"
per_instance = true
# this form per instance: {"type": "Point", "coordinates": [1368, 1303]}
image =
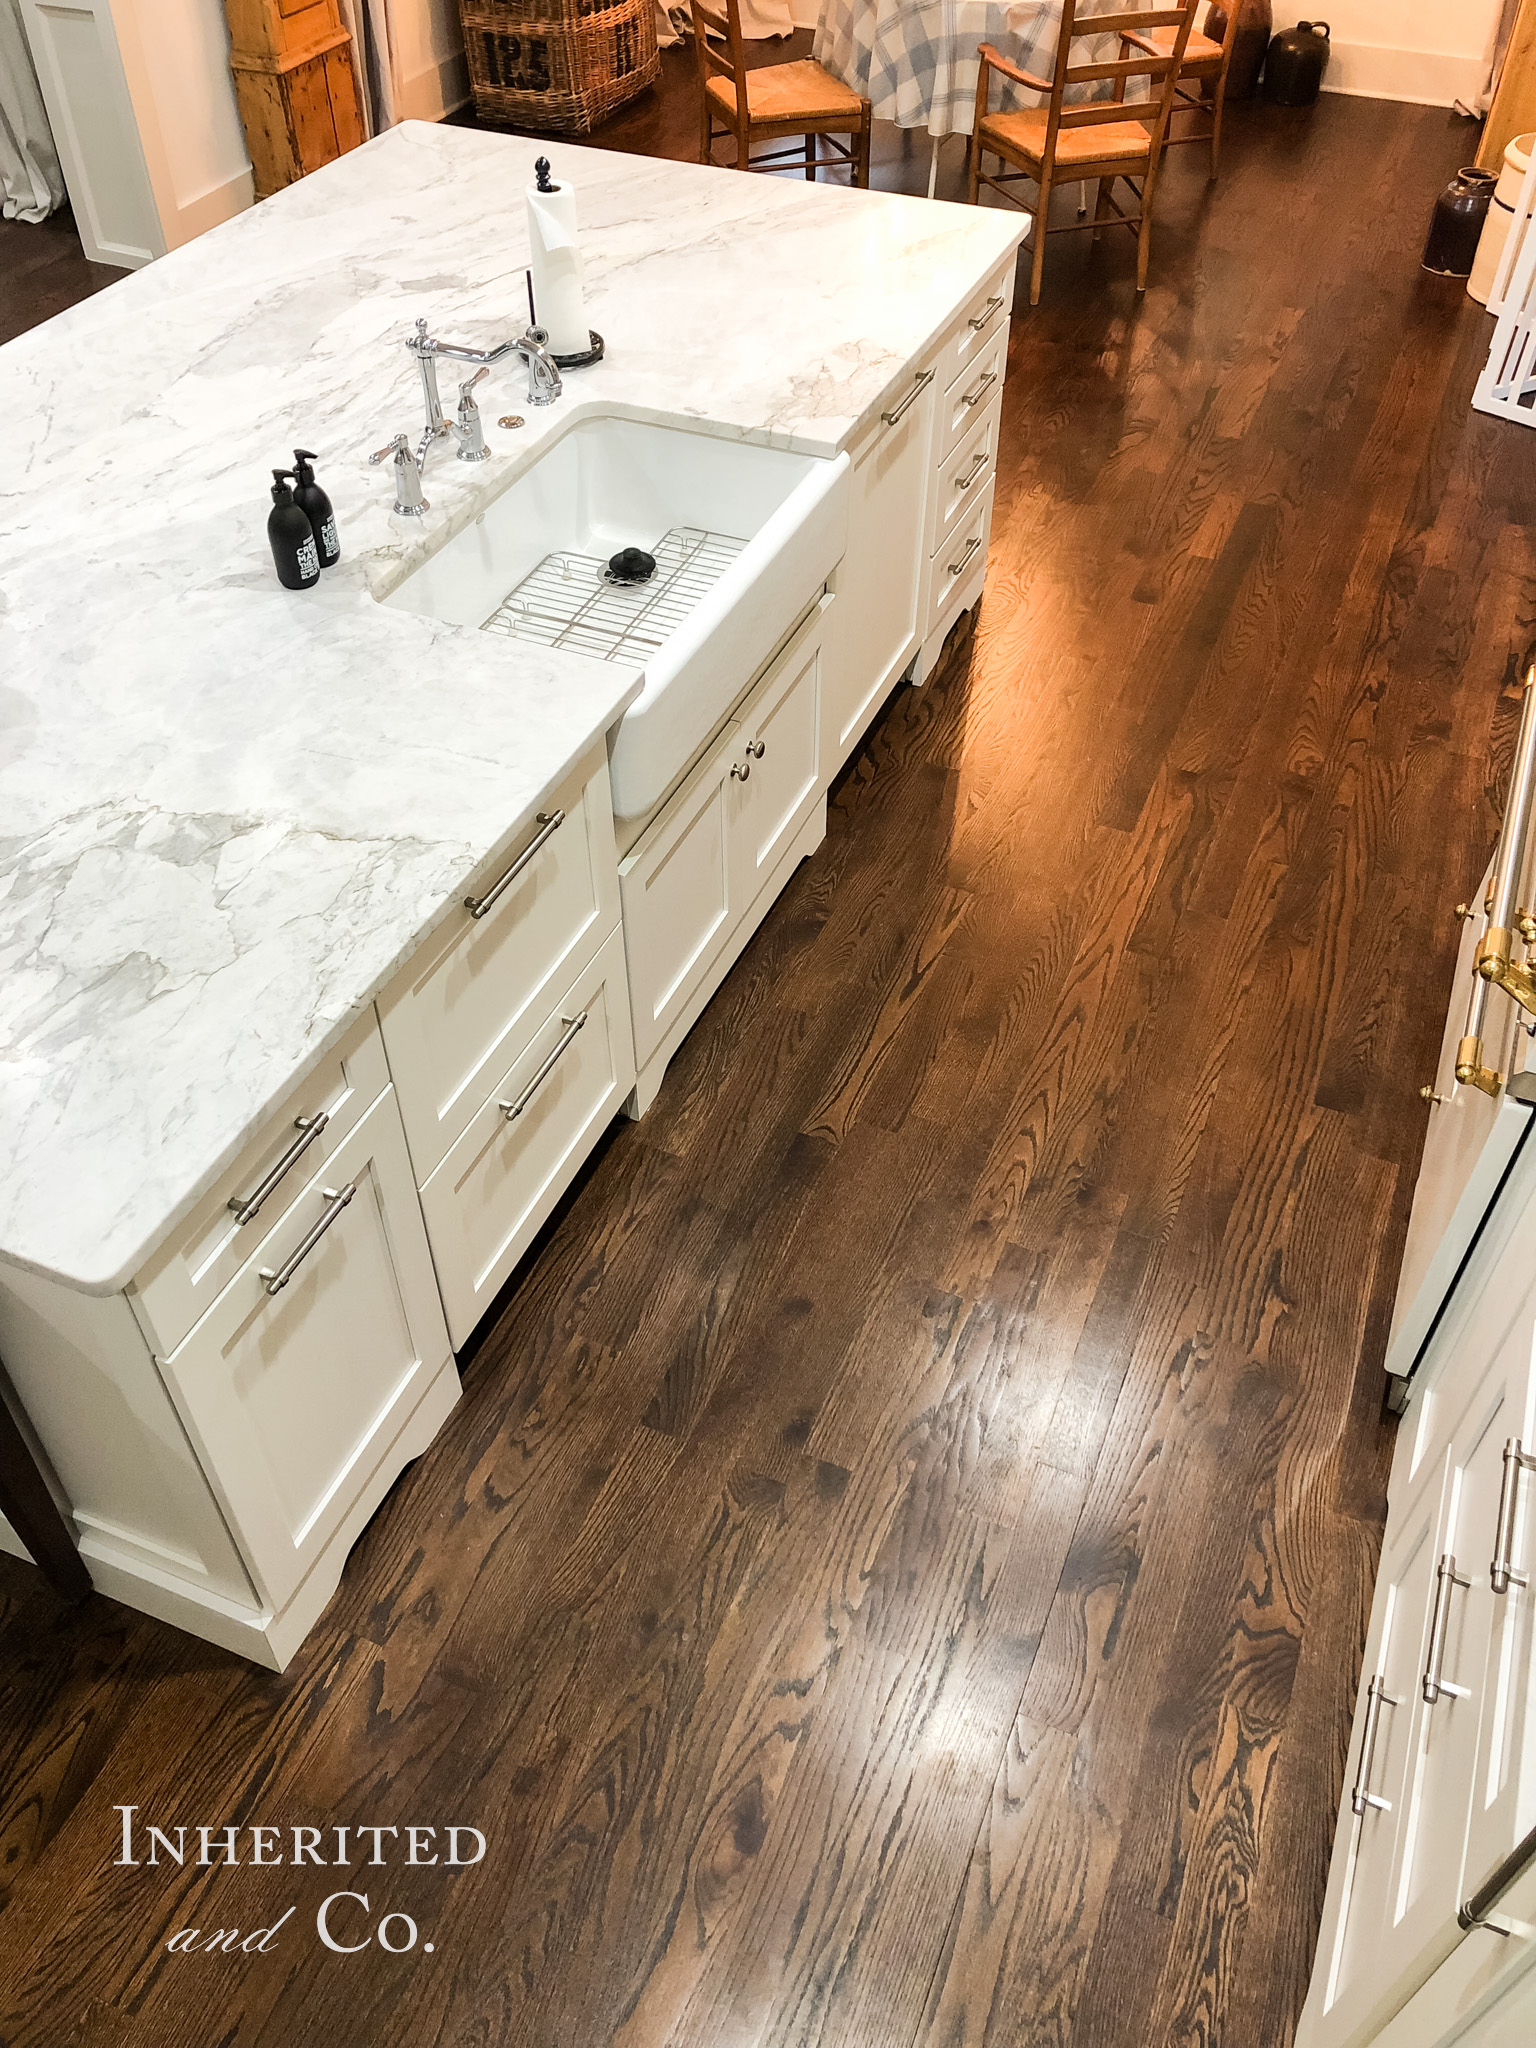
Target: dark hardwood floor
{"type": "Point", "coordinates": [897, 1577]}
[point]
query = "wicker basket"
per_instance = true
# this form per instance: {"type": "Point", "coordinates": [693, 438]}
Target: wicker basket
{"type": "Point", "coordinates": [558, 64]}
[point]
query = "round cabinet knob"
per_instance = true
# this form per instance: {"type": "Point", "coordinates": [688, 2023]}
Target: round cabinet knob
{"type": "Point", "coordinates": [740, 773]}
{"type": "Point", "coordinates": [757, 749]}
{"type": "Point", "coordinates": [1427, 1093]}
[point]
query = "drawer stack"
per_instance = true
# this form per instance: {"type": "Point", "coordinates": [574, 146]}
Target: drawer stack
{"type": "Point", "coordinates": [509, 1041]}
{"type": "Point", "coordinates": [972, 364]}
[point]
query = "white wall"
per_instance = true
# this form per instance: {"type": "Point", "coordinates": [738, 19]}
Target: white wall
{"type": "Point", "coordinates": [176, 56]}
{"type": "Point", "coordinates": [1431, 51]}
{"type": "Point", "coordinates": [431, 75]}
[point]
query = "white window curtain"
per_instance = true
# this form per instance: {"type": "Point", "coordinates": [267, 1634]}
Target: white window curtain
{"type": "Point", "coordinates": [373, 61]}
{"type": "Point", "coordinates": [759, 18]}
{"type": "Point", "coordinates": [1500, 45]}
{"type": "Point", "coordinates": [31, 183]}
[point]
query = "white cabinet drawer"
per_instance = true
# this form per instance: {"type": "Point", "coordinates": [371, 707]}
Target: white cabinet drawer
{"type": "Point", "coordinates": [984, 319]}
{"type": "Point", "coordinates": [476, 991]}
{"type": "Point", "coordinates": [293, 1397]}
{"type": "Point", "coordinates": [187, 1274]}
{"type": "Point", "coordinates": [974, 389]}
{"type": "Point", "coordinates": [490, 1195]}
{"type": "Point", "coordinates": [959, 481]}
{"type": "Point", "coordinates": [955, 567]}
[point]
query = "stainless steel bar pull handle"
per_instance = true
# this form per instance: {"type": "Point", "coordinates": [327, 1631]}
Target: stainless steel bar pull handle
{"type": "Point", "coordinates": [308, 1128]}
{"type": "Point", "coordinates": [956, 567]}
{"type": "Point", "coordinates": [924, 379]}
{"type": "Point", "coordinates": [1376, 1696]}
{"type": "Point", "coordinates": [519, 1103]}
{"type": "Point", "coordinates": [1435, 1685]}
{"type": "Point", "coordinates": [1501, 1573]}
{"type": "Point", "coordinates": [978, 390]}
{"type": "Point", "coordinates": [983, 457]}
{"type": "Point", "coordinates": [550, 821]}
{"type": "Point", "coordinates": [987, 316]}
{"type": "Point", "coordinates": [336, 1199]}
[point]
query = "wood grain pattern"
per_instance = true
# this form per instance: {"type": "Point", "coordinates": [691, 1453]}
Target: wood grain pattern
{"type": "Point", "coordinates": [898, 1575]}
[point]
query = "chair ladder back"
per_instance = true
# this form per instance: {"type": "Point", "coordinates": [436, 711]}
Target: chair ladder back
{"type": "Point", "coordinates": [730, 63]}
{"type": "Point", "coordinates": [1164, 67]}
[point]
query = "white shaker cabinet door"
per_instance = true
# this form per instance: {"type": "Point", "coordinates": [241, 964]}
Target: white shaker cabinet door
{"type": "Point", "coordinates": [301, 1376]}
{"type": "Point", "coordinates": [1503, 1806]}
{"type": "Point", "coordinates": [679, 905]}
{"type": "Point", "coordinates": [1449, 1698]}
{"type": "Point", "coordinates": [774, 778]}
{"type": "Point", "coordinates": [878, 583]}
{"type": "Point", "coordinates": [1352, 1970]}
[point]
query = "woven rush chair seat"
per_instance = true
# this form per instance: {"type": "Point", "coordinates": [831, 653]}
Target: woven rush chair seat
{"type": "Point", "coordinates": [1023, 135]}
{"type": "Point", "coordinates": [790, 92]}
{"type": "Point", "coordinates": [1202, 56]}
{"type": "Point", "coordinates": [772, 102]}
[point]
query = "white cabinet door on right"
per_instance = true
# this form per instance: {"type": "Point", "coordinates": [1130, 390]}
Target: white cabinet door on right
{"type": "Point", "coordinates": [878, 583]}
{"type": "Point", "coordinates": [679, 905]}
{"type": "Point", "coordinates": [1350, 1973]}
{"type": "Point", "coordinates": [1503, 1806]}
{"type": "Point", "coordinates": [775, 780]}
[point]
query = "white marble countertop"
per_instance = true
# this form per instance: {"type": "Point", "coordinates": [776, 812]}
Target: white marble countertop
{"type": "Point", "coordinates": [228, 811]}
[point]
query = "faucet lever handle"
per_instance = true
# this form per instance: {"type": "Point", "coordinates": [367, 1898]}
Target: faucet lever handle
{"type": "Point", "coordinates": [466, 401]}
{"type": "Point", "coordinates": [400, 445]}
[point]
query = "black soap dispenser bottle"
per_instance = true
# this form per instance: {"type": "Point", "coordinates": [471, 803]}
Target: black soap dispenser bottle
{"type": "Point", "coordinates": [316, 507]}
{"type": "Point", "coordinates": [293, 540]}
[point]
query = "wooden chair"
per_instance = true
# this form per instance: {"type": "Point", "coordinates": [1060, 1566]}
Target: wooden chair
{"type": "Point", "coordinates": [772, 101]}
{"type": "Point", "coordinates": [1207, 62]}
{"type": "Point", "coordinates": [1101, 139]}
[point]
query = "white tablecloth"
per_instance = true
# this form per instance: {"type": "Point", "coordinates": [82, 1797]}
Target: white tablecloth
{"type": "Point", "coordinates": [915, 60]}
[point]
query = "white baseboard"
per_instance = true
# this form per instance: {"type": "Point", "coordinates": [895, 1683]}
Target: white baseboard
{"type": "Point", "coordinates": [1426, 78]}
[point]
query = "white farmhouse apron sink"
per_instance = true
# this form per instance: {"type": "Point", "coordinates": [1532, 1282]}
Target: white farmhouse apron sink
{"type": "Point", "coordinates": [744, 536]}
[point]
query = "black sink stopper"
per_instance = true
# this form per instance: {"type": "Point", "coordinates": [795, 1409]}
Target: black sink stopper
{"type": "Point", "coordinates": [631, 565]}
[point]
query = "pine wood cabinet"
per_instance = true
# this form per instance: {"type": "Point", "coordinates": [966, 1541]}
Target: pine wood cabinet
{"type": "Point", "coordinates": [294, 86]}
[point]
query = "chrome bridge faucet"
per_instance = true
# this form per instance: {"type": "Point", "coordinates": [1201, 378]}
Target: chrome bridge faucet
{"type": "Point", "coordinates": [544, 387]}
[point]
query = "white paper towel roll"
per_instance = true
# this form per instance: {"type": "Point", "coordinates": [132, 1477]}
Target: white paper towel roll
{"type": "Point", "coordinates": [556, 264]}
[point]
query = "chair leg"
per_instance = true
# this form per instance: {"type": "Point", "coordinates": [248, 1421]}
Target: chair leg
{"type": "Point", "coordinates": [743, 149]}
{"type": "Point", "coordinates": [1144, 239]}
{"type": "Point", "coordinates": [972, 169]}
{"type": "Point", "coordinates": [861, 172]}
{"type": "Point", "coordinates": [1037, 267]}
{"type": "Point", "coordinates": [1101, 211]}
{"type": "Point", "coordinates": [810, 158]}
{"type": "Point", "coordinates": [706, 138]}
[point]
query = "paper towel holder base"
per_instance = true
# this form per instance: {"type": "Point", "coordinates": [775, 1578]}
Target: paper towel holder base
{"type": "Point", "coordinates": [584, 358]}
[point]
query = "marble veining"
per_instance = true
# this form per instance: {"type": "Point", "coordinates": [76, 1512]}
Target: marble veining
{"type": "Point", "coordinates": [229, 812]}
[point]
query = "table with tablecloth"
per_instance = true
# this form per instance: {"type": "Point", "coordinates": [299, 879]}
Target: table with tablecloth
{"type": "Point", "coordinates": [915, 60]}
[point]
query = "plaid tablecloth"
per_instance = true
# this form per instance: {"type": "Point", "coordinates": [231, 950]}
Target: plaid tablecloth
{"type": "Point", "coordinates": [915, 60]}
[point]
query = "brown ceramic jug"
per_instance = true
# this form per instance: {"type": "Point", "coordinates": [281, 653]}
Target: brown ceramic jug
{"type": "Point", "coordinates": [1255, 20]}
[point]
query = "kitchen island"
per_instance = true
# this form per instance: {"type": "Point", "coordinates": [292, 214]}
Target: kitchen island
{"type": "Point", "coordinates": [242, 823]}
